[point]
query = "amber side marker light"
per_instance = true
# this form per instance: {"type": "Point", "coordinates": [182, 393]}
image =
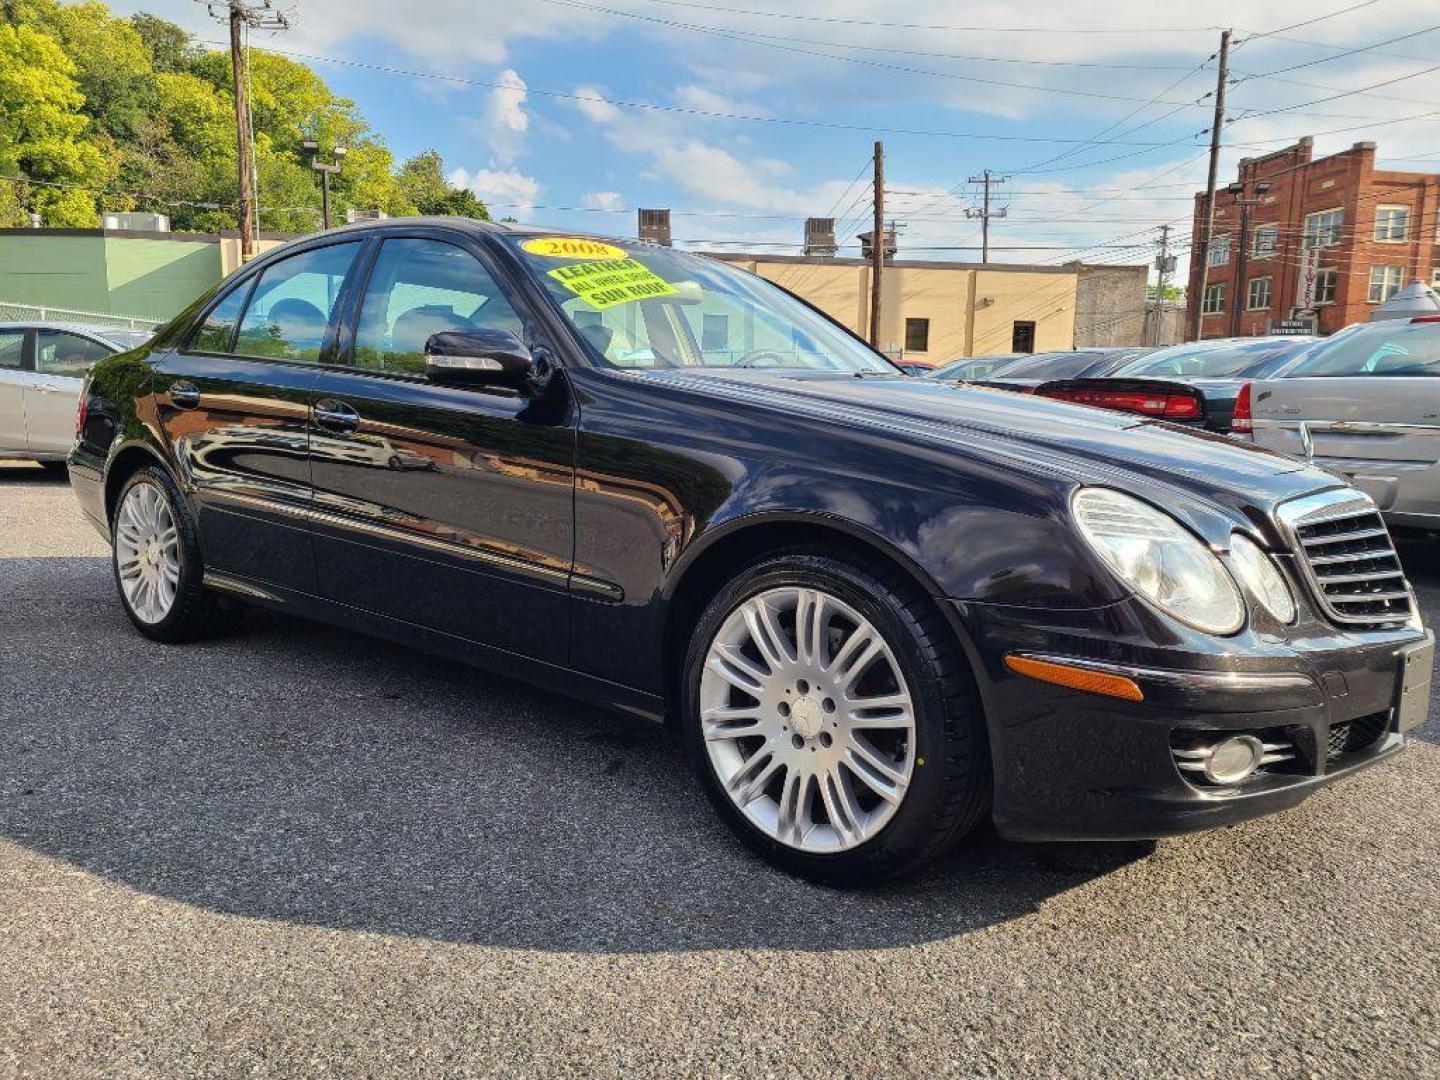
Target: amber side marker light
{"type": "Point", "coordinates": [1093, 682]}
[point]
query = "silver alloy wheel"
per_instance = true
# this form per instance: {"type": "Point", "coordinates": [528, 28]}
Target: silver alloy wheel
{"type": "Point", "coordinates": [147, 552]}
{"type": "Point", "coordinates": [807, 719]}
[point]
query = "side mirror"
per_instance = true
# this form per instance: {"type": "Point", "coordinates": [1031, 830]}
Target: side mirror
{"type": "Point", "coordinates": [478, 357]}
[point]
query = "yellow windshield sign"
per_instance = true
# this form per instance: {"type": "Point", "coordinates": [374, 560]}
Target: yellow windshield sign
{"type": "Point", "coordinates": [572, 247]}
{"type": "Point", "coordinates": [605, 284]}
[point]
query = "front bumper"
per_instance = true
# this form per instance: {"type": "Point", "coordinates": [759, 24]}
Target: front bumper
{"type": "Point", "coordinates": [1072, 765]}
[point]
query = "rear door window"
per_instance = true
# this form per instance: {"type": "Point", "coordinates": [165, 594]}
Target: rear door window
{"type": "Point", "coordinates": [217, 332]}
{"type": "Point", "coordinates": [292, 304]}
{"type": "Point", "coordinates": [1407, 349]}
{"type": "Point", "coordinates": [67, 355]}
{"type": "Point", "coordinates": [12, 350]}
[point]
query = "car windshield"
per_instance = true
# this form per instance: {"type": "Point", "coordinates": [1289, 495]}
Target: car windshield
{"type": "Point", "coordinates": [640, 306]}
{"type": "Point", "coordinates": [1210, 360]}
{"type": "Point", "coordinates": [1398, 348]}
{"type": "Point", "coordinates": [125, 339]}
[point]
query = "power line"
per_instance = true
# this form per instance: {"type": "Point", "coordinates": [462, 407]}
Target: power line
{"type": "Point", "coordinates": [922, 26]}
{"type": "Point", "coordinates": [1341, 55]}
{"type": "Point", "coordinates": [579, 5]}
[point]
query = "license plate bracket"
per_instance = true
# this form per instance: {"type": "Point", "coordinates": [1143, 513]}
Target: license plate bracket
{"type": "Point", "coordinates": [1412, 694]}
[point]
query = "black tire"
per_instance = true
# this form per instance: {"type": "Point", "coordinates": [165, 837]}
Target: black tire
{"type": "Point", "coordinates": [950, 789]}
{"type": "Point", "coordinates": [196, 612]}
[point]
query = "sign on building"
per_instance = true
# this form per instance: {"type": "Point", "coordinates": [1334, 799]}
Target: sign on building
{"type": "Point", "coordinates": [1309, 278]}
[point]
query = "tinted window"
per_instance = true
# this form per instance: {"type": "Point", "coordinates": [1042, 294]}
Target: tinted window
{"type": "Point", "coordinates": [292, 303]}
{"type": "Point", "coordinates": [1387, 349]}
{"type": "Point", "coordinates": [71, 355]}
{"type": "Point", "coordinates": [1212, 360]}
{"type": "Point", "coordinates": [12, 348]}
{"type": "Point", "coordinates": [218, 330]}
{"type": "Point", "coordinates": [1065, 365]}
{"type": "Point", "coordinates": [419, 288]}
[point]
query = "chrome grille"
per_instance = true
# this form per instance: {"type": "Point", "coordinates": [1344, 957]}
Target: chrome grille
{"type": "Point", "coordinates": [1345, 552]}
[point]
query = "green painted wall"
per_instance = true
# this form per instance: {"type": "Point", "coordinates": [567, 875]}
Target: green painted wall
{"type": "Point", "coordinates": [108, 274]}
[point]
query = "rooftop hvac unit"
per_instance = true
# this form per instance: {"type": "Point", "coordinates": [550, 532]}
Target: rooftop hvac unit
{"type": "Point", "coordinates": [352, 216]}
{"type": "Point", "coordinates": [820, 236]}
{"type": "Point", "coordinates": [135, 222]}
{"type": "Point", "coordinates": [655, 227]}
{"type": "Point", "coordinates": [891, 243]}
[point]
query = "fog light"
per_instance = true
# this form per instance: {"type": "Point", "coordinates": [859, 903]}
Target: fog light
{"type": "Point", "coordinates": [1232, 760]}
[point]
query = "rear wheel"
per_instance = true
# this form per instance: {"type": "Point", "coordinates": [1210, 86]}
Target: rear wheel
{"type": "Point", "coordinates": [832, 721]}
{"type": "Point", "coordinates": [156, 559]}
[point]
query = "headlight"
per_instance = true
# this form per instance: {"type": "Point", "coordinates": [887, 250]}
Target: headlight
{"type": "Point", "coordinates": [1258, 573]}
{"type": "Point", "coordinates": [1158, 558]}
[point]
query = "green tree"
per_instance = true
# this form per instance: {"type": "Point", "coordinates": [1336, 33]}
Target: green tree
{"type": "Point", "coordinates": [41, 129]}
{"type": "Point", "coordinates": [422, 178]}
{"type": "Point", "coordinates": [171, 48]}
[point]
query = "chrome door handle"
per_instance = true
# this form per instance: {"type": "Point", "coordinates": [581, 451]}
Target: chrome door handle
{"type": "Point", "coordinates": [333, 415]}
{"type": "Point", "coordinates": [184, 394]}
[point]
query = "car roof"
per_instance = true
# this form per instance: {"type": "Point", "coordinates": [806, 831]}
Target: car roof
{"type": "Point", "coordinates": [68, 327]}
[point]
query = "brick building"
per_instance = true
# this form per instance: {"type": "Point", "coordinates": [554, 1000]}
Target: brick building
{"type": "Point", "coordinates": [1375, 231]}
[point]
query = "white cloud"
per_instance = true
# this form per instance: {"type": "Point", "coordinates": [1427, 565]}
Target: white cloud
{"type": "Point", "coordinates": [592, 102]}
{"type": "Point", "coordinates": [509, 193]}
{"type": "Point", "coordinates": [505, 122]}
{"type": "Point", "coordinates": [603, 200]}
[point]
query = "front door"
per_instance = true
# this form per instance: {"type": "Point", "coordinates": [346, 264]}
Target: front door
{"type": "Point", "coordinates": [234, 402]}
{"type": "Point", "coordinates": [449, 508]}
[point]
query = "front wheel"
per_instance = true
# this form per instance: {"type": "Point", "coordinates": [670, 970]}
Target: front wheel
{"type": "Point", "coordinates": [156, 558]}
{"type": "Point", "coordinates": [833, 721]}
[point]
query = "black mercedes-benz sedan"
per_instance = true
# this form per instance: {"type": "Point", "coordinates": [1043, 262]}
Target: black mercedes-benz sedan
{"type": "Point", "coordinates": [877, 609]}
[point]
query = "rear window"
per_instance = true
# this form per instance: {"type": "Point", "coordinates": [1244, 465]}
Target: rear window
{"type": "Point", "coordinates": [1209, 361]}
{"type": "Point", "coordinates": [1051, 366]}
{"type": "Point", "coordinates": [1405, 349]}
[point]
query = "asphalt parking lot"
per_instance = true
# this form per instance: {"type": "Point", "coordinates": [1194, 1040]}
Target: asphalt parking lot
{"type": "Point", "coordinates": [297, 851]}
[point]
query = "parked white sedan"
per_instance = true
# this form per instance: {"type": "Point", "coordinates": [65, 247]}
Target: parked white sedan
{"type": "Point", "coordinates": [42, 367]}
{"type": "Point", "coordinates": [1365, 404]}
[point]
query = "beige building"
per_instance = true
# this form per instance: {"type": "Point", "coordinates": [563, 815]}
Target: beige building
{"type": "Point", "coordinates": [939, 311]}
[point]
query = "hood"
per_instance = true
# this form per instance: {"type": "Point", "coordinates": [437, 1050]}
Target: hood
{"type": "Point", "coordinates": [1090, 445]}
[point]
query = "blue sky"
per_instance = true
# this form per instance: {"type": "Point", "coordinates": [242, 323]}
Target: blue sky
{"type": "Point", "coordinates": [533, 103]}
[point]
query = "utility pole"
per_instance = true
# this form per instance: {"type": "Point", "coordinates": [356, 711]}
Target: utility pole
{"type": "Point", "coordinates": [1164, 264]}
{"type": "Point", "coordinates": [877, 245]}
{"type": "Point", "coordinates": [986, 179]}
{"type": "Point", "coordinates": [1242, 257]}
{"type": "Point", "coordinates": [1219, 122]}
{"type": "Point", "coordinates": [245, 15]}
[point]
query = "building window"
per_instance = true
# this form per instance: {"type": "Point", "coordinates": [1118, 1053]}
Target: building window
{"type": "Point", "coordinates": [917, 335]}
{"type": "Point", "coordinates": [1322, 229]}
{"type": "Point", "coordinates": [1219, 251]}
{"type": "Point", "coordinates": [1022, 336]}
{"type": "Point", "coordinates": [1384, 282]}
{"type": "Point", "coordinates": [1257, 295]}
{"type": "Point", "coordinates": [1326, 281]}
{"type": "Point", "coordinates": [1435, 278]}
{"type": "Point", "coordinates": [1214, 299]}
{"type": "Point", "coordinates": [1263, 241]}
{"type": "Point", "coordinates": [1391, 223]}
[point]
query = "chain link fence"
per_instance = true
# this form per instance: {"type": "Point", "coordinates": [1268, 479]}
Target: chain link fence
{"type": "Point", "coordinates": [34, 313]}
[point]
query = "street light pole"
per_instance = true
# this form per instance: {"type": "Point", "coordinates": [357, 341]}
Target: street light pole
{"type": "Point", "coordinates": [325, 169]}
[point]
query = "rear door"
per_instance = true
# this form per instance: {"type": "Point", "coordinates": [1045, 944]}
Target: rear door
{"type": "Point", "coordinates": [235, 401]}
{"type": "Point", "coordinates": [61, 360]}
{"type": "Point", "coordinates": [14, 353]}
{"type": "Point", "coordinates": [1367, 408]}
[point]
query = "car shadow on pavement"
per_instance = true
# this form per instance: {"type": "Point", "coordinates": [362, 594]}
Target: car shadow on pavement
{"type": "Point", "coordinates": [298, 773]}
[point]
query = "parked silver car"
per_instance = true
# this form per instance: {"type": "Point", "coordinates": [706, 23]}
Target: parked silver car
{"type": "Point", "coordinates": [1366, 405]}
{"type": "Point", "coordinates": [42, 367]}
